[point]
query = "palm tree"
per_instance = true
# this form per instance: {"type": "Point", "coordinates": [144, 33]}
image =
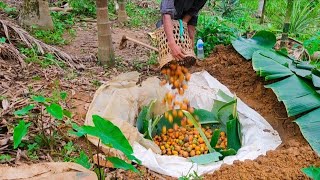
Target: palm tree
{"type": "Point", "coordinates": [36, 12]}
{"type": "Point", "coordinates": [122, 15]}
{"type": "Point", "coordinates": [105, 49]}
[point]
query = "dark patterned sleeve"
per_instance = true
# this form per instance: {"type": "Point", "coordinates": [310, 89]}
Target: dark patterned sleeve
{"type": "Point", "coordinates": [196, 7]}
{"type": "Point", "coordinates": [167, 7]}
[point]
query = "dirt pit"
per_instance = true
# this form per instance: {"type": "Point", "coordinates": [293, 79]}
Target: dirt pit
{"type": "Point", "coordinates": [294, 153]}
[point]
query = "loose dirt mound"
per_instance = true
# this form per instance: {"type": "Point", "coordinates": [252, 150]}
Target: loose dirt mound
{"type": "Point", "coordinates": [237, 74]}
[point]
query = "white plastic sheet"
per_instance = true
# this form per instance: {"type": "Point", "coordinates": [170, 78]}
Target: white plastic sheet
{"type": "Point", "coordinates": [258, 135]}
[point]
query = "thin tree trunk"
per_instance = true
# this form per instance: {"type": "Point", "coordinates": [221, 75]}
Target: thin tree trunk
{"type": "Point", "coordinates": [263, 10]}
{"type": "Point", "coordinates": [105, 49]}
{"type": "Point", "coordinates": [36, 12]}
{"type": "Point", "coordinates": [286, 26]}
{"type": "Point", "coordinates": [122, 15]}
{"type": "Point", "coordinates": [260, 7]}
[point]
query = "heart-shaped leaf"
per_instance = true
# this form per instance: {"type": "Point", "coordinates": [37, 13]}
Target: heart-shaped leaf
{"type": "Point", "coordinates": [19, 132]}
{"type": "Point", "coordinates": [39, 99]}
{"type": "Point", "coordinates": [83, 160]}
{"type": "Point", "coordinates": [24, 110]}
{"type": "Point", "coordinates": [110, 135]}
{"type": "Point", "coordinates": [121, 164]}
{"type": "Point", "coordinates": [55, 110]}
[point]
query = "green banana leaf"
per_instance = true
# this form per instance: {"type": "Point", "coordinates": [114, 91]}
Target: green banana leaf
{"type": "Point", "coordinates": [309, 125]}
{"type": "Point", "coordinates": [297, 92]}
{"type": "Point", "coordinates": [232, 135]}
{"type": "Point", "coordinates": [261, 40]}
{"type": "Point", "coordinates": [294, 87]}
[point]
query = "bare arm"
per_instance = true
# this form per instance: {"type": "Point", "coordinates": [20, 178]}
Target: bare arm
{"type": "Point", "coordinates": [176, 51]}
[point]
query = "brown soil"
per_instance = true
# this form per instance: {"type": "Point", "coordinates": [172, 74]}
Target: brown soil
{"type": "Point", "coordinates": [294, 153]}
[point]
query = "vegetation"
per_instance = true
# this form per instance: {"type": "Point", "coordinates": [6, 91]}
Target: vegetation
{"type": "Point", "coordinates": [302, 80]}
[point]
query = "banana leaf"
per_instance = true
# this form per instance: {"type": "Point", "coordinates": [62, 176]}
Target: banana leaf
{"type": "Point", "coordinates": [232, 135]}
{"type": "Point", "coordinates": [302, 104]}
{"type": "Point", "coordinates": [309, 126]}
{"type": "Point", "coordinates": [289, 88]}
{"type": "Point", "coordinates": [261, 40]}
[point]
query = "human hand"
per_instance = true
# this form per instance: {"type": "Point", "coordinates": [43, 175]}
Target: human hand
{"type": "Point", "coordinates": [176, 51]}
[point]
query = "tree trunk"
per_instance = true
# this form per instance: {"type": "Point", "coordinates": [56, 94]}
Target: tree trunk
{"type": "Point", "coordinates": [122, 15]}
{"type": "Point", "coordinates": [286, 26]}
{"type": "Point", "coordinates": [36, 12]}
{"type": "Point", "coordinates": [260, 7]}
{"type": "Point", "coordinates": [105, 49]}
{"type": "Point", "coordinates": [263, 3]}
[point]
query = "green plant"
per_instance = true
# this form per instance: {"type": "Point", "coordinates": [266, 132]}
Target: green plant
{"type": "Point", "coordinates": [51, 108]}
{"type": "Point", "coordinates": [312, 172]}
{"type": "Point", "coordinates": [83, 160]}
{"type": "Point", "coordinates": [46, 60]}
{"type": "Point", "coordinates": [214, 31]}
{"type": "Point", "coordinates": [227, 7]}
{"type": "Point", "coordinates": [7, 9]}
{"type": "Point", "coordinates": [5, 158]}
{"type": "Point", "coordinates": [62, 24]}
{"type": "Point", "coordinates": [153, 59]}
{"type": "Point", "coordinates": [19, 132]}
{"type": "Point", "coordinates": [111, 136]}
{"type": "Point", "coordinates": [3, 40]}
{"type": "Point", "coordinates": [83, 7]}
{"type": "Point", "coordinates": [297, 87]}
{"type": "Point", "coordinates": [304, 16]}
{"type": "Point", "coordinates": [313, 44]}
{"type": "Point", "coordinates": [191, 176]}
{"type": "Point", "coordinates": [141, 16]}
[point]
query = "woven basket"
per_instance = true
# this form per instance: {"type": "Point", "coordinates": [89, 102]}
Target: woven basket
{"type": "Point", "coordinates": [165, 56]}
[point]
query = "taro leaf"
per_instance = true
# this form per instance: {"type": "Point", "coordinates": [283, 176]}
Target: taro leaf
{"type": "Point", "coordinates": [79, 132]}
{"type": "Point", "coordinates": [228, 152]}
{"type": "Point", "coordinates": [261, 40]}
{"type": "Point", "coordinates": [142, 124]}
{"type": "Point", "coordinates": [309, 126]}
{"type": "Point", "coordinates": [19, 132]}
{"type": "Point", "coordinates": [290, 88]}
{"type": "Point", "coordinates": [55, 110]}
{"type": "Point", "coordinates": [63, 95]}
{"type": "Point", "coordinates": [215, 137]}
{"type": "Point", "coordinates": [24, 110]}
{"type": "Point", "coordinates": [110, 135]}
{"type": "Point", "coordinates": [302, 104]}
{"type": "Point", "coordinates": [67, 113]}
{"type": "Point", "coordinates": [121, 164]}
{"type": "Point", "coordinates": [39, 99]}
{"type": "Point", "coordinates": [83, 160]}
{"type": "Point", "coordinates": [232, 135]}
{"type": "Point", "coordinates": [206, 158]}
{"type": "Point", "coordinates": [312, 172]}
{"type": "Point", "coordinates": [205, 117]}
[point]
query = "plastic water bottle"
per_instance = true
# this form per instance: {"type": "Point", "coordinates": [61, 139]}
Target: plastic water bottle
{"type": "Point", "coordinates": [200, 51]}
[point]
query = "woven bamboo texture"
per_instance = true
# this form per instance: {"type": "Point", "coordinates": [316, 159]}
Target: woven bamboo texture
{"type": "Point", "coordinates": [165, 56]}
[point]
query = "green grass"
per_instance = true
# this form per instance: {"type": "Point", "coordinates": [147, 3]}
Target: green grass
{"type": "Point", "coordinates": [62, 24]}
{"type": "Point", "coordinates": [141, 17]}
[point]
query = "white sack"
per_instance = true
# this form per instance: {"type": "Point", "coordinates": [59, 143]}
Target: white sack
{"type": "Point", "coordinates": [120, 104]}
